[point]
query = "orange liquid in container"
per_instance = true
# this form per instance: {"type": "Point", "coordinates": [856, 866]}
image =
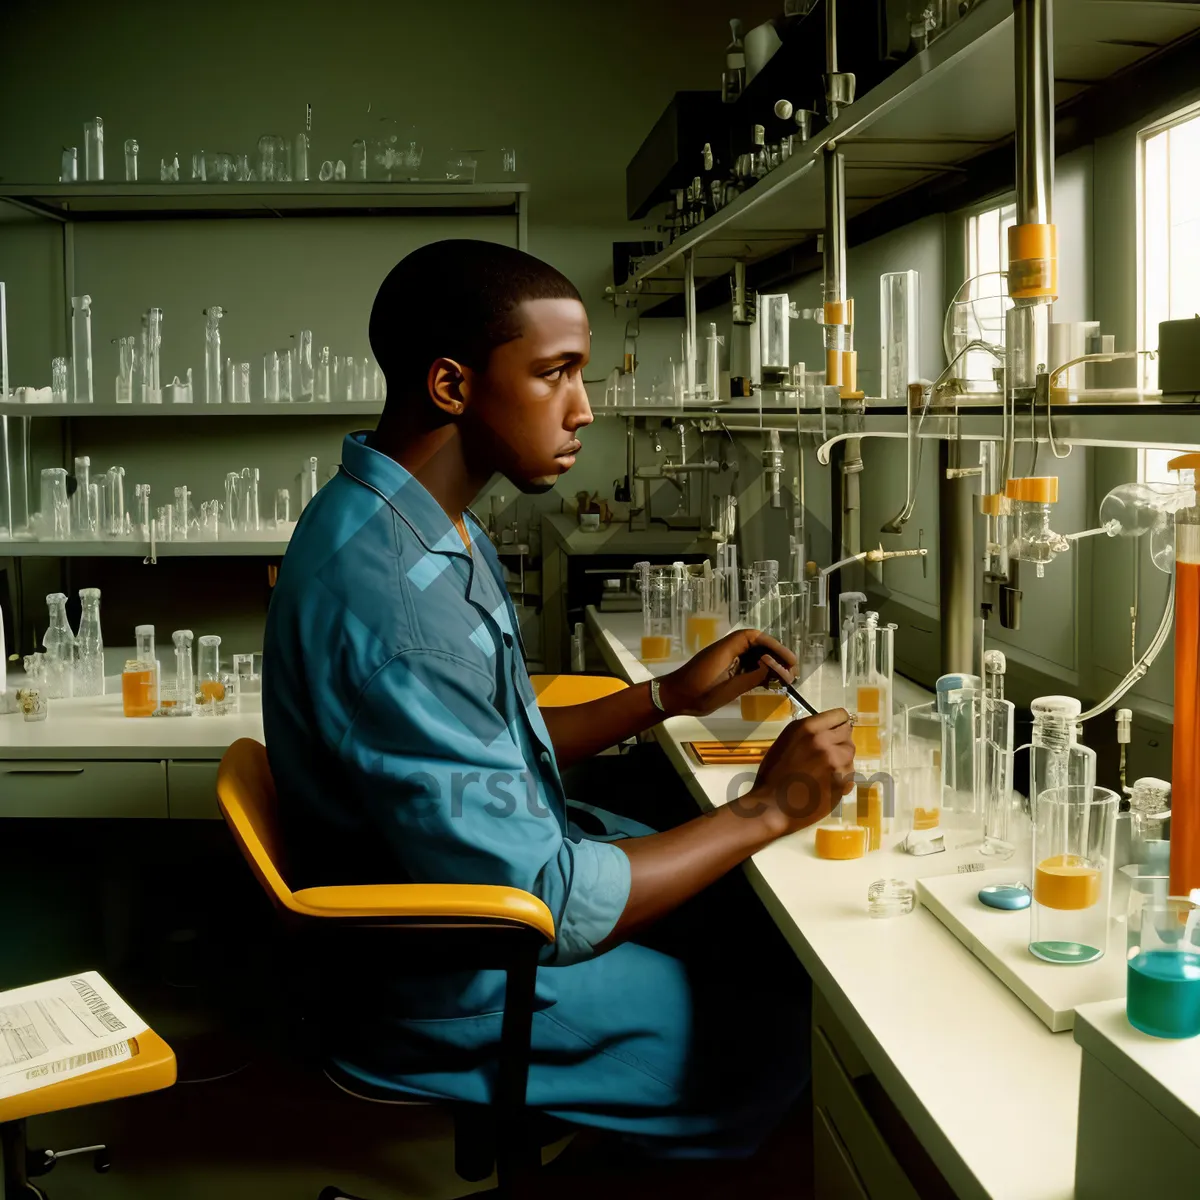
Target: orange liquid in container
{"type": "Point", "coordinates": [841, 841]}
{"type": "Point", "coordinates": [926, 818]}
{"type": "Point", "coordinates": [1066, 881]}
{"type": "Point", "coordinates": [870, 813]}
{"type": "Point", "coordinates": [139, 693]}
{"type": "Point", "coordinates": [212, 691]}
{"type": "Point", "coordinates": [765, 706]}
{"type": "Point", "coordinates": [701, 631]}
{"type": "Point", "coordinates": [869, 697]}
{"type": "Point", "coordinates": [867, 743]}
{"type": "Point", "coordinates": [656, 648]}
{"type": "Point", "coordinates": [1185, 742]}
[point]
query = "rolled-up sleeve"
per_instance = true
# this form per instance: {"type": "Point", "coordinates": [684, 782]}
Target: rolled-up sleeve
{"type": "Point", "coordinates": [440, 778]}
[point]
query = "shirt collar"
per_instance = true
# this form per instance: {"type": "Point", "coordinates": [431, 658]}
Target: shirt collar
{"type": "Point", "coordinates": [407, 496]}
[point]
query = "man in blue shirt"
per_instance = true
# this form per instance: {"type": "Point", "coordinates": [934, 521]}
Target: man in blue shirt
{"type": "Point", "coordinates": [407, 745]}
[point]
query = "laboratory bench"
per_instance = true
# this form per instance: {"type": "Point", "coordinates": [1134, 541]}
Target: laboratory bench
{"type": "Point", "coordinates": [900, 1005]}
{"type": "Point", "coordinates": [87, 759]}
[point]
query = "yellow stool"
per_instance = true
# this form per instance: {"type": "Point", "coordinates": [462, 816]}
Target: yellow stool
{"type": "Point", "coordinates": [151, 1068]}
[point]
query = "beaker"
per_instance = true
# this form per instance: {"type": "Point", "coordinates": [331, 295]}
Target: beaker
{"type": "Point", "coordinates": [899, 322]}
{"type": "Point", "coordinates": [918, 769]}
{"type": "Point", "coordinates": [139, 680]}
{"type": "Point", "coordinates": [706, 609]}
{"type": "Point", "coordinates": [658, 586]}
{"type": "Point", "coordinates": [839, 837]}
{"type": "Point", "coordinates": [1163, 972]}
{"type": "Point", "coordinates": [210, 691]}
{"type": "Point", "coordinates": [1074, 839]}
{"type": "Point", "coordinates": [869, 690]}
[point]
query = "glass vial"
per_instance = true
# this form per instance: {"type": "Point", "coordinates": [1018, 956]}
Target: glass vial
{"type": "Point", "coordinates": [131, 160]}
{"type": "Point", "coordinates": [90, 680]}
{"type": "Point", "coordinates": [93, 150]}
{"type": "Point", "coordinates": [69, 171]}
{"type": "Point", "coordinates": [81, 349]}
{"type": "Point", "coordinates": [185, 678]}
{"type": "Point", "coordinates": [125, 363]}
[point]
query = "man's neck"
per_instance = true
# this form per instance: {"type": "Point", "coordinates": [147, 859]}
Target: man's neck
{"type": "Point", "coordinates": [434, 457]}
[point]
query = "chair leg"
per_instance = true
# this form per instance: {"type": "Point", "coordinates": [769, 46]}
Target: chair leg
{"type": "Point", "coordinates": [13, 1153]}
{"type": "Point", "coordinates": [474, 1142]}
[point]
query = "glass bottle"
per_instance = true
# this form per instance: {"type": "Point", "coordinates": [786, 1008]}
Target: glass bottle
{"type": "Point", "coordinates": [91, 645]}
{"type": "Point", "coordinates": [61, 649]}
{"type": "Point", "coordinates": [1150, 810]}
{"type": "Point", "coordinates": [1056, 759]}
{"type": "Point", "coordinates": [184, 702]}
{"type": "Point", "coordinates": [139, 680]}
{"type": "Point", "coordinates": [210, 691]}
{"type": "Point", "coordinates": [131, 160]}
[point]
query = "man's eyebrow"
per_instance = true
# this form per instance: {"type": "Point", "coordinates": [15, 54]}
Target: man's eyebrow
{"type": "Point", "coordinates": [561, 356]}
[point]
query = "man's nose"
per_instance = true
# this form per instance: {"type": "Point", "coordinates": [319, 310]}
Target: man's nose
{"type": "Point", "coordinates": [580, 412]}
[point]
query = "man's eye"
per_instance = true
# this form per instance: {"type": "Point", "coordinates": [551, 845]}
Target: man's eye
{"type": "Point", "coordinates": [554, 375]}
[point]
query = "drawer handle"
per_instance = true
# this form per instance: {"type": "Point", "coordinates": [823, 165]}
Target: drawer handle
{"type": "Point", "coordinates": [44, 771]}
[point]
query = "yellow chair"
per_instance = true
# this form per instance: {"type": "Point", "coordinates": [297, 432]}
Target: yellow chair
{"type": "Point", "coordinates": [152, 1067]}
{"type": "Point", "coordinates": [442, 927]}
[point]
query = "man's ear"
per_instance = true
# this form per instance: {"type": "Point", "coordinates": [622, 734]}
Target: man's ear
{"type": "Point", "coordinates": [448, 387]}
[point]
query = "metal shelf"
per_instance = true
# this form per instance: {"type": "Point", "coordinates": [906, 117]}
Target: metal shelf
{"type": "Point", "coordinates": [139, 201]}
{"type": "Point", "coordinates": [303, 408]}
{"type": "Point", "coordinates": [266, 548]}
{"type": "Point", "coordinates": [932, 115]}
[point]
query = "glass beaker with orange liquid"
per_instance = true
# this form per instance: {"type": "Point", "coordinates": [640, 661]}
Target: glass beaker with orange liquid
{"type": "Point", "coordinates": [210, 691]}
{"type": "Point", "coordinates": [868, 673]}
{"type": "Point", "coordinates": [705, 607]}
{"type": "Point", "coordinates": [1074, 841]}
{"type": "Point", "coordinates": [139, 680]}
{"type": "Point", "coordinates": [661, 587]}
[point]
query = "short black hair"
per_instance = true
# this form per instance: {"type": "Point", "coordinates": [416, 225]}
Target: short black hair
{"type": "Point", "coordinates": [454, 299]}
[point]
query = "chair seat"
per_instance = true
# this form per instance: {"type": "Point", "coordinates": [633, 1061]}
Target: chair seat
{"type": "Point", "coordinates": [151, 1068]}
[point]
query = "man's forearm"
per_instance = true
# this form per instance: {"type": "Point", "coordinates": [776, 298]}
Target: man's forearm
{"type": "Point", "coordinates": [580, 730]}
{"type": "Point", "coordinates": [669, 868]}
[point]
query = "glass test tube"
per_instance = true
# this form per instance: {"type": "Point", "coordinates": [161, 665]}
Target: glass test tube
{"type": "Point", "coordinates": [139, 680]}
{"type": "Point", "coordinates": [995, 763]}
{"type": "Point", "coordinates": [81, 349]}
{"type": "Point", "coordinates": [124, 380]}
{"type": "Point", "coordinates": [1074, 839]}
{"type": "Point", "coordinates": [212, 354]}
{"type": "Point", "coordinates": [869, 648]}
{"type": "Point", "coordinates": [131, 160]}
{"type": "Point", "coordinates": [151, 383]}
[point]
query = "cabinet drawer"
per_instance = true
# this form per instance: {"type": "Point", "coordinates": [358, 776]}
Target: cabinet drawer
{"type": "Point", "coordinates": [192, 790]}
{"type": "Point", "coordinates": [873, 1160]}
{"type": "Point", "coordinates": [834, 1176]}
{"type": "Point", "coordinates": [66, 788]}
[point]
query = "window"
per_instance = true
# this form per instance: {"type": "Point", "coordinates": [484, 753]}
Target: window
{"type": "Point", "coordinates": [1169, 241]}
{"type": "Point", "coordinates": [980, 311]}
{"type": "Point", "coordinates": [1152, 466]}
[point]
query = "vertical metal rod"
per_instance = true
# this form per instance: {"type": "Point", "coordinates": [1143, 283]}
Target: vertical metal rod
{"type": "Point", "coordinates": [956, 576]}
{"type": "Point", "coordinates": [1033, 50]}
{"type": "Point", "coordinates": [834, 251]}
{"type": "Point", "coordinates": [831, 59]}
{"type": "Point", "coordinates": [689, 308]}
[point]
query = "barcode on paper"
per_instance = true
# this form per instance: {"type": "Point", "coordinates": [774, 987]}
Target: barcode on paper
{"type": "Point", "coordinates": [63, 1065]}
{"type": "Point", "coordinates": [98, 1006]}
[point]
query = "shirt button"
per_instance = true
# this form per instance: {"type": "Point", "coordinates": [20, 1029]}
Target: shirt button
{"type": "Point", "coordinates": [545, 756]}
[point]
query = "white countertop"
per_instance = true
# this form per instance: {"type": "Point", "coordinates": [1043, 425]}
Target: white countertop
{"type": "Point", "coordinates": [991, 1093]}
{"type": "Point", "coordinates": [96, 728]}
{"type": "Point", "coordinates": [562, 529]}
{"type": "Point", "coordinates": [1165, 1071]}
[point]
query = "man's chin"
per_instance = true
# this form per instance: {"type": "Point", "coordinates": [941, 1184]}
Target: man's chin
{"type": "Point", "coordinates": [535, 487]}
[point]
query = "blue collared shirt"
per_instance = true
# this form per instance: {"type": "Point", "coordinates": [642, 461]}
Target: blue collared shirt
{"type": "Point", "coordinates": [401, 727]}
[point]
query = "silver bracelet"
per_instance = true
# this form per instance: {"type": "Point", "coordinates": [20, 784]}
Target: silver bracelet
{"type": "Point", "coordinates": [655, 698]}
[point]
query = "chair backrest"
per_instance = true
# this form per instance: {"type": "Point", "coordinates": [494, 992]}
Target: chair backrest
{"type": "Point", "coordinates": [246, 794]}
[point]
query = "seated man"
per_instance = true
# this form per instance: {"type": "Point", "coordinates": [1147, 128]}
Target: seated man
{"type": "Point", "coordinates": [407, 745]}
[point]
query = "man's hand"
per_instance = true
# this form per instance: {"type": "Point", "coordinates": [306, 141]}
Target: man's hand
{"type": "Point", "coordinates": [714, 677]}
{"type": "Point", "coordinates": [805, 773]}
